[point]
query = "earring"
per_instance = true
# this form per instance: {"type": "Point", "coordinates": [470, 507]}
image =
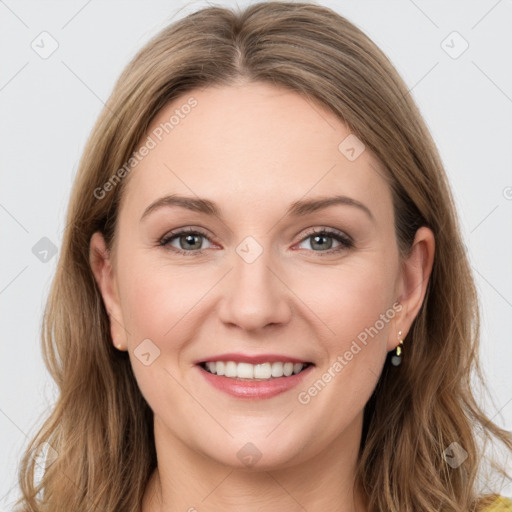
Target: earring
{"type": "Point", "coordinates": [397, 356]}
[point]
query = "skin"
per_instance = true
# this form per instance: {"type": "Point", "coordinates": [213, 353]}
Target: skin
{"type": "Point", "coordinates": [254, 149]}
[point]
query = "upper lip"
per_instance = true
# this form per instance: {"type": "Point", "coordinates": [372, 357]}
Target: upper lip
{"type": "Point", "coordinates": [253, 359]}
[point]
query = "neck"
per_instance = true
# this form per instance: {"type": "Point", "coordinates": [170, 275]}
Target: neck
{"type": "Point", "coordinates": [188, 481]}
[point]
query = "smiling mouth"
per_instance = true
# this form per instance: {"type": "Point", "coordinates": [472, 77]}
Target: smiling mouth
{"type": "Point", "coordinates": [254, 372]}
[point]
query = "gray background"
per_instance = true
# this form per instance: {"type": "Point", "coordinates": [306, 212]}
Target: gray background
{"type": "Point", "coordinates": [48, 107]}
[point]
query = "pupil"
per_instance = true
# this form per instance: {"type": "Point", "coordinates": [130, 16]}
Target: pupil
{"type": "Point", "coordinates": [190, 240]}
{"type": "Point", "coordinates": [320, 237]}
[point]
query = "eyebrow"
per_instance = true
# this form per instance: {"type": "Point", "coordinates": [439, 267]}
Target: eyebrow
{"type": "Point", "coordinates": [298, 208]}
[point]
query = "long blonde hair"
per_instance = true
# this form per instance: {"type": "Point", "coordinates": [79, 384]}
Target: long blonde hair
{"type": "Point", "coordinates": [101, 429]}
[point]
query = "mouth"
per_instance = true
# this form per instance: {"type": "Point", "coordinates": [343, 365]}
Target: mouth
{"type": "Point", "coordinates": [254, 376]}
{"type": "Point", "coordinates": [244, 371]}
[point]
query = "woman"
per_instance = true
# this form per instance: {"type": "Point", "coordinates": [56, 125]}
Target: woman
{"type": "Point", "coordinates": [210, 353]}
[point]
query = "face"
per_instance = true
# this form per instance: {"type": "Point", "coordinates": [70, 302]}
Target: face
{"type": "Point", "coordinates": [271, 276]}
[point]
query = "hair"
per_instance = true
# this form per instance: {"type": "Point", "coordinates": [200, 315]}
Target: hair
{"type": "Point", "coordinates": [101, 427]}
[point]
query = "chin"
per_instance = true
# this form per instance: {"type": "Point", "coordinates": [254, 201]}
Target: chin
{"type": "Point", "coordinates": [257, 453]}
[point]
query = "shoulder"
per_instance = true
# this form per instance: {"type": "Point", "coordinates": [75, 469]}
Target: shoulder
{"type": "Point", "coordinates": [497, 503]}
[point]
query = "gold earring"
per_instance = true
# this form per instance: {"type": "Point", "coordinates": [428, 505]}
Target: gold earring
{"type": "Point", "coordinates": [396, 359]}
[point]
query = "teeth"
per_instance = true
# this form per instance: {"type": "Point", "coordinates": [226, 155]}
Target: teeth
{"type": "Point", "coordinates": [244, 371]}
{"type": "Point", "coordinates": [263, 371]}
{"type": "Point", "coordinates": [230, 369]}
{"type": "Point", "coordinates": [297, 367]}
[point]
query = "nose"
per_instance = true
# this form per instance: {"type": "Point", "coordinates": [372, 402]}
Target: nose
{"type": "Point", "coordinates": [255, 293]}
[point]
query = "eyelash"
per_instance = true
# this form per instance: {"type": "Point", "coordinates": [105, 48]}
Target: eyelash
{"type": "Point", "coordinates": [345, 242]}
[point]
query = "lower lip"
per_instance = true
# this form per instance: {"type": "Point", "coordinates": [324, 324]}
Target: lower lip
{"type": "Point", "coordinates": [254, 389]}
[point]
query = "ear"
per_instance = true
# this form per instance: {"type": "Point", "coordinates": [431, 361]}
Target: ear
{"type": "Point", "coordinates": [101, 265]}
{"type": "Point", "coordinates": [413, 281]}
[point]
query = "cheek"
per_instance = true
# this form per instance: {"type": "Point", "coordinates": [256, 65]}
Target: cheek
{"type": "Point", "coordinates": [160, 311]}
{"type": "Point", "coordinates": [156, 298]}
{"type": "Point", "coordinates": [356, 305]}
{"type": "Point", "coordinates": [348, 299]}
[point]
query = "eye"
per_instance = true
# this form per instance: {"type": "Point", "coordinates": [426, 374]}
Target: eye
{"type": "Point", "coordinates": [322, 241]}
{"type": "Point", "coordinates": [188, 241]}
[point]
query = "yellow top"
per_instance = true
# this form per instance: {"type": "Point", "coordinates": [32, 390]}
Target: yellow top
{"type": "Point", "coordinates": [500, 504]}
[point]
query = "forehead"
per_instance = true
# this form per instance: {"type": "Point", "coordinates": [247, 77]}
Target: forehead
{"type": "Point", "coordinates": [252, 145]}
